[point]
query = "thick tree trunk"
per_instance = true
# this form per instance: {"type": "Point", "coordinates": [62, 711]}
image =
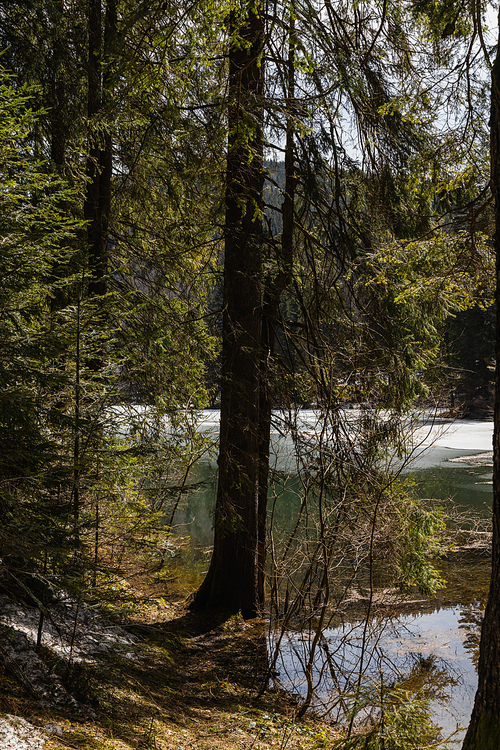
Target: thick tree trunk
{"type": "Point", "coordinates": [231, 583]}
{"type": "Point", "coordinates": [484, 728]}
{"type": "Point", "coordinates": [272, 297]}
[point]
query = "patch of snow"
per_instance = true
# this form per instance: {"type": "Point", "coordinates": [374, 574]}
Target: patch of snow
{"type": "Point", "coordinates": [91, 637]}
{"type": "Point", "coordinates": [479, 459]}
{"type": "Point", "coordinates": [75, 633]}
{"type": "Point", "coordinates": [462, 434]}
{"type": "Point", "coordinates": [18, 653]}
{"type": "Point", "coordinates": [19, 734]}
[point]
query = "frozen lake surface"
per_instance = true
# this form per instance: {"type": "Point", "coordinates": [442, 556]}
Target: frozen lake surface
{"type": "Point", "coordinates": [438, 442]}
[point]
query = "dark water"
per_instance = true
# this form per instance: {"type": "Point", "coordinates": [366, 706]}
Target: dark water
{"type": "Point", "coordinates": [469, 487]}
{"type": "Point", "coordinates": [465, 486]}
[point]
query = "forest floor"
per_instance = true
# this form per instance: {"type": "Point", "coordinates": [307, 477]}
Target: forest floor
{"type": "Point", "coordinates": [165, 678]}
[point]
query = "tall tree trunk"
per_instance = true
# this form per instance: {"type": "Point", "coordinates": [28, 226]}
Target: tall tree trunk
{"type": "Point", "coordinates": [484, 728]}
{"type": "Point", "coordinates": [231, 583]}
{"type": "Point", "coordinates": [272, 297]}
{"type": "Point", "coordinates": [91, 215]}
{"type": "Point", "coordinates": [94, 103]}
{"type": "Point", "coordinates": [58, 110]}
{"type": "Point", "coordinates": [97, 205]}
{"type": "Point", "coordinates": [99, 162]}
{"type": "Point", "coordinates": [58, 114]}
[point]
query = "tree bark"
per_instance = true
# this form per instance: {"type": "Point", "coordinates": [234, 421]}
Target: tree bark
{"type": "Point", "coordinates": [97, 206]}
{"type": "Point", "coordinates": [99, 161]}
{"type": "Point", "coordinates": [484, 728]}
{"type": "Point", "coordinates": [58, 111]}
{"type": "Point", "coordinates": [94, 103]}
{"type": "Point", "coordinates": [231, 583]}
{"type": "Point", "coordinates": [271, 303]}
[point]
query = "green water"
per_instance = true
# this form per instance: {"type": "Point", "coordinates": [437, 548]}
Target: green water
{"type": "Point", "coordinates": [466, 486]}
{"type": "Point", "coordinates": [470, 487]}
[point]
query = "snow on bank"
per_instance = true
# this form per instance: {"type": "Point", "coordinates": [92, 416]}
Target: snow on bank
{"type": "Point", "coordinates": [73, 632]}
{"type": "Point", "coordinates": [19, 734]}
{"type": "Point", "coordinates": [76, 634]}
{"type": "Point", "coordinates": [462, 434]}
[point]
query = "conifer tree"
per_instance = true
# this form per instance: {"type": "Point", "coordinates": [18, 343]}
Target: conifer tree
{"type": "Point", "coordinates": [232, 582]}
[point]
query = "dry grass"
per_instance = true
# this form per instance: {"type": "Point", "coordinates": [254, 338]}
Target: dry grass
{"type": "Point", "coordinates": [193, 683]}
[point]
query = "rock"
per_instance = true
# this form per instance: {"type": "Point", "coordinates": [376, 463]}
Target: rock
{"type": "Point", "coordinates": [53, 729]}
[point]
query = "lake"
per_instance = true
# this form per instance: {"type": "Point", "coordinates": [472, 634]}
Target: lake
{"type": "Point", "coordinates": [435, 638]}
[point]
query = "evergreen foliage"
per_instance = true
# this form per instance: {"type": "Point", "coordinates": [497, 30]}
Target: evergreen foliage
{"type": "Point", "coordinates": [36, 234]}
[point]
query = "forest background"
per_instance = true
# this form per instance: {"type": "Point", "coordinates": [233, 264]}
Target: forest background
{"type": "Point", "coordinates": [257, 206]}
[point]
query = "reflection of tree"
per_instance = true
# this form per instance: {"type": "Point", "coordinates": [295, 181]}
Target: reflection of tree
{"type": "Point", "coordinates": [471, 616]}
{"type": "Point", "coordinates": [429, 676]}
{"type": "Point", "coordinates": [355, 532]}
{"type": "Point", "coordinates": [393, 684]}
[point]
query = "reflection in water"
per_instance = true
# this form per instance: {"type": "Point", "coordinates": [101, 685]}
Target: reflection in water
{"type": "Point", "coordinates": [194, 516]}
{"type": "Point", "coordinates": [432, 649]}
{"type": "Point", "coordinates": [193, 522]}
